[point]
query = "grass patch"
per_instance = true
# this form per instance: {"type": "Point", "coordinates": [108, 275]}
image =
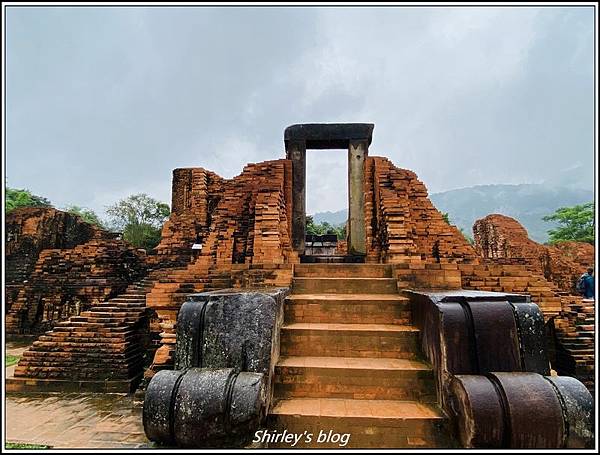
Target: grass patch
{"type": "Point", "coordinates": [11, 359]}
{"type": "Point", "coordinates": [19, 445]}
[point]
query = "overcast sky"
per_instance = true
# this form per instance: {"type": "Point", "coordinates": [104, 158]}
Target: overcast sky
{"type": "Point", "coordinates": [105, 102]}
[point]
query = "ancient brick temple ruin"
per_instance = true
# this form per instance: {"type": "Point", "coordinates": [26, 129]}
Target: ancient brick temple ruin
{"type": "Point", "coordinates": [416, 339]}
{"type": "Point", "coordinates": [58, 265]}
{"type": "Point", "coordinates": [503, 240]}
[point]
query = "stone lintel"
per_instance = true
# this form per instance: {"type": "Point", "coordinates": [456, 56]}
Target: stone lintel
{"type": "Point", "coordinates": [328, 135]}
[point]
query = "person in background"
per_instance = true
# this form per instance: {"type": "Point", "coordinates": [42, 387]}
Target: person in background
{"type": "Point", "coordinates": [587, 285]}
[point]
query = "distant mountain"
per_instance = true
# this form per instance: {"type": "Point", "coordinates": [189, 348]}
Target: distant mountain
{"type": "Point", "coordinates": [333, 218]}
{"type": "Point", "coordinates": [528, 203]}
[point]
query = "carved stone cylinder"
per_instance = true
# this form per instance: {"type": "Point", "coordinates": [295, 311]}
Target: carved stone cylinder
{"type": "Point", "coordinates": [199, 407]}
{"type": "Point", "coordinates": [521, 411]}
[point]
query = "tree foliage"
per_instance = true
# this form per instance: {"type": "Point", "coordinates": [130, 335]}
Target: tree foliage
{"type": "Point", "coordinates": [323, 228]}
{"type": "Point", "coordinates": [86, 214]}
{"type": "Point", "coordinates": [574, 223]}
{"type": "Point", "coordinates": [23, 198]}
{"type": "Point", "coordinates": [140, 218]}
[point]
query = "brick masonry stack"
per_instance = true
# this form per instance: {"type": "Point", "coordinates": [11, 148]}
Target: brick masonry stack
{"type": "Point", "coordinates": [29, 230]}
{"type": "Point", "coordinates": [502, 237]}
{"type": "Point", "coordinates": [67, 281]}
{"type": "Point", "coordinates": [102, 349]}
{"type": "Point", "coordinates": [247, 242]}
{"type": "Point", "coordinates": [195, 195]}
{"type": "Point", "coordinates": [500, 277]}
{"type": "Point", "coordinates": [403, 226]}
{"type": "Point", "coordinates": [548, 273]}
{"type": "Point", "coordinates": [575, 333]}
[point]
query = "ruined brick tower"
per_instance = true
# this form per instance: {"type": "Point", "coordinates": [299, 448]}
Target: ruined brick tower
{"type": "Point", "coordinates": [412, 335]}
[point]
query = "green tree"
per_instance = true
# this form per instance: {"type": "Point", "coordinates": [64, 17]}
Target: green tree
{"type": "Point", "coordinates": [323, 228]}
{"type": "Point", "coordinates": [23, 198]}
{"type": "Point", "coordinates": [574, 223]}
{"type": "Point", "coordinates": [86, 214]}
{"type": "Point", "coordinates": [446, 217]}
{"type": "Point", "coordinates": [140, 218]}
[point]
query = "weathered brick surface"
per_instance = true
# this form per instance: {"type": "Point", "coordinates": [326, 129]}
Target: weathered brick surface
{"type": "Point", "coordinates": [30, 230]}
{"type": "Point", "coordinates": [575, 335]}
{"type": "Point", "coordinates": [500, 237]}
{"type": "Point", "coordinates": [65, 282]}
{"type": "Point", "coordinates": [103, 348]}
{"type": "Point", "coordinates": [246, 225]}
{"type": "Point", "coordinates": [195, 194]}
{"type": "Point", "coordinates": [402, 224]}
{"type": "Point", "coordinates": [493, 275]}
{"type": "Point", "coordinates": [512, 261]}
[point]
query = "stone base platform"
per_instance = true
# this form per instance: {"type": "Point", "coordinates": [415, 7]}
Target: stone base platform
{"type": "Point", "coordinates": [28, 385]}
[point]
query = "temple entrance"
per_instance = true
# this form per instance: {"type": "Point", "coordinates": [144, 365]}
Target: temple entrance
{"type": "Point", "coordinates": [326, 206]}
{"type": "Point", "coordinates": [355, 138]}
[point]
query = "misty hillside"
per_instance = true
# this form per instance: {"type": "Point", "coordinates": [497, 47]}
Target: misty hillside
{"type": "Point", "coordinates": [528, 203]}
{"type": "Point", "coordinates": [333, 218]}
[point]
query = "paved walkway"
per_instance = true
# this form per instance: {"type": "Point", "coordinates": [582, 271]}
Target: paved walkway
{"type": "Point", "coordinates": [73, 420]}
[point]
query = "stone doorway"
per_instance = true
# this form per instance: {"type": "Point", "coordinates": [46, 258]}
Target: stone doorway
{"type": "Point", "coordinates": [354, 137]}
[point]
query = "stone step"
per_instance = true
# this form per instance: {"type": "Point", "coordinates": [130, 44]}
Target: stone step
{"type": "Point", "coordinates": [96, 356]}
{"type": "Point", "coordinates": [348, 308]}
{"type": "Point", "coordinates": [349, 340]}
{"type": "Point", "coordinates": [117, 313]}
{"type": "Point", "coordinates": [343, 270]}
{"type": "Point", "coordinates": [76, 367]}
{"type": "Point", "coordinates": [127, 306]}
{"type": "Point", "coordinates": [79, 347]}
{"type": "Point", "coordinates": [94, 325]}
{"type": "Point", "coordinates": [78, 373]}
{"type": "Point", "coordinates": [120, 329]}
{"type": "Point", "coordinates": [60, 334]}
{"type": "Point", "coordinates": [310, 285]}
{"type": "Point", "coordinates": [122, 299]}
{"type": "Point", "coordinates": [103, 320]}
{"type": "Point", "coordinates": [79, 338]}
{"type": "Point", "coordinates": [354, 378]}
{"type": "Point", "coordinates": [370, 423]}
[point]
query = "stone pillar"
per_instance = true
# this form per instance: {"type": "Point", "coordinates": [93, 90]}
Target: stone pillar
{"type": "Point", "coordinates": [296, 151]}
{"type": "Point", "coordinates": [357, 152]}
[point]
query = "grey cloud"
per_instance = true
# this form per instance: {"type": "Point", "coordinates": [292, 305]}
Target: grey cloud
{"type": "Point", "coordinates": [102, 102]}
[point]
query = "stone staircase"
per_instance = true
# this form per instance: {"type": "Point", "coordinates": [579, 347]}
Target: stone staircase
{"type": "Point", "coordinates": [575, 333]}
{"type": "Point", "coordinates": [349, 363]}
{"type": "Point", "coordinates": [99, 350]}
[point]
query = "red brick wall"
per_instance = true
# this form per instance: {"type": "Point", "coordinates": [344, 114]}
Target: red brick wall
{"type": "Point", "coordinates": [502, 238]}
{"type": "Point", "coordinates": [402, 223]}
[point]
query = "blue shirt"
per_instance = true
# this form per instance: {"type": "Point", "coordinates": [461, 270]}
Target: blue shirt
{"type": "Point", "coordinates": [588, 286]}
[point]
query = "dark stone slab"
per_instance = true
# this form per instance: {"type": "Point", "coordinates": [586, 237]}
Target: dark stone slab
{"type": "Point", "coordinates": [473, 332]}
{"type": "Point", "coordinates": [456, 349]}
{"type": "Point", "coordinates": [495, 332]}
{"type": "Point", "coordinates": [532, 338]}
{"type": "Point", "coordinates": [229, 329]}
{"type": "Point", "coordinates": [464, 295]}
{"type": "Point", "coordinates": [578, 406]}
{"type": "Point", "coordinates": [202, 407]}
{"type": "Point", "coordinates": [477, 411]}
{"type": "Point", "coordinates": [329, 135]}
{"type": "Point", "coordinates": [157, 414]}
{"type": "Point", "coordinates": [532, 409]}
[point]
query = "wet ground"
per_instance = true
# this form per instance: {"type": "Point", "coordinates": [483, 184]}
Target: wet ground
{"type": "Point", "coordinates": [72, 420]}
